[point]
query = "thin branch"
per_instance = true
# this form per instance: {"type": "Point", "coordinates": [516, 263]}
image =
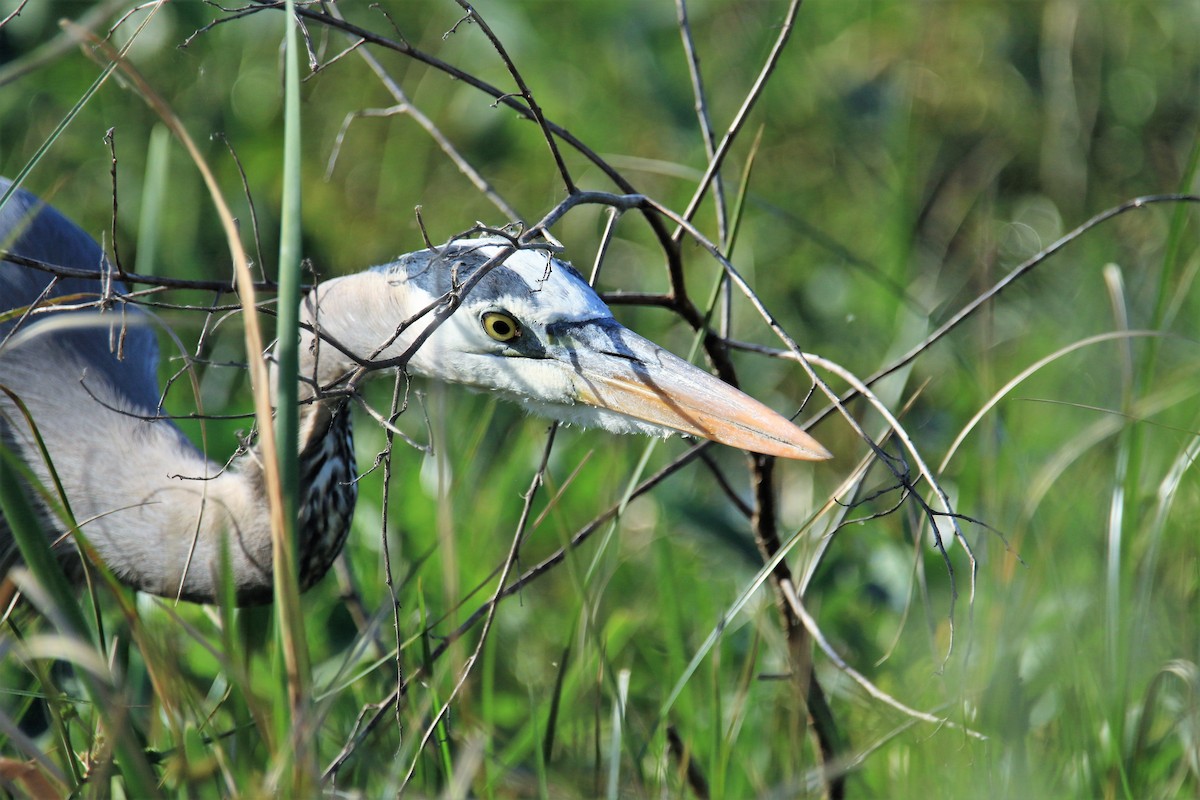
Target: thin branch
{"type": "Point", "coordinates": [731, 494]}
{"type": "Point", "coordinates": [1034, 261]}
{"type": "Point", "coordinates": [874, 691]}
{"type": "Point", "coordinates": [830, 744]}
{"type": "Point", "coordinates": [534, 109]}
{"type": "Point", "coordinates": [110, 138]}
{"type": "Point", "coordinates": [743, 113]}
{"type": "Point", "coordinates": [237, 162]}
{"type": "Point", "coordinates": [702, 118]}
{"type": "Point", "coordinates": [404, 106]}
{"type": "Point", "coordinates": [372, 715]}
{"type": "Point", "coordinates": [669, 246]}
{"type": "Point", "coordinates": [16, 12]}
{"type": "Point", "coordinates": [493, 605]}
{"type": "Point", "coordinates": [160, 281]}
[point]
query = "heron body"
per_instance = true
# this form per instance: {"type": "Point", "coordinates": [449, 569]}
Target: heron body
{"type": "Point", "coordinates": [160, 514]}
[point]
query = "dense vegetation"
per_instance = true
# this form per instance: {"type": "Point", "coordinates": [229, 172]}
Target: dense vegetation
{"type": "Point", "coordinates": [900, 160]}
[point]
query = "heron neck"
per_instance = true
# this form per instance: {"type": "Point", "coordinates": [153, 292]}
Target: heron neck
{"type": "Point", "coordinates": [328, 492]}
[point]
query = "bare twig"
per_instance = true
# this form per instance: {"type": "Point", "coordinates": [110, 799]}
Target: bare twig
{"type": "Point", "coordinates": [662, 235]}
{"type": "Point", "coordinates": [830, 744]}
{"type": "Point", "coordinates": [160, 281]}
{"type": "Point", "coordinates": [110, 139]}
{"type": "Point", "coordinates": [371, 716]}
{"type": "Point", "coordinates": [534, 109]}
{"type": "Point", "coordinates": [493, 605]}
{"type": "Point", "coordinates": [1030, 264]}
{"type": "Point", "coordinates": [16, 12]}
{"type": "Point", "coordinates": [739, 120]}
{"type": "Point", "coordinates": [404, 106]}
{"type": "Point", "coordinates": [237, 162]}
{"type": "Point", "coordinates": [789, 592]}
{"type": "Point", "coordinates": [702, 118]}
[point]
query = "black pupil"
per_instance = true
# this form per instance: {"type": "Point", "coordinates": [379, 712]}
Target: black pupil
{"type": "Point", "coordinates": [501, 327]}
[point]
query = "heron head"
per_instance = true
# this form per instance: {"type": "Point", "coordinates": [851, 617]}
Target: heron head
{"type": "Point", "coordinates": [532, 330]}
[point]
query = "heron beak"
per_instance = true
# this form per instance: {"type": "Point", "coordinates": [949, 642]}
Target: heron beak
{"type": "Point", "coordinates": [618, 370]}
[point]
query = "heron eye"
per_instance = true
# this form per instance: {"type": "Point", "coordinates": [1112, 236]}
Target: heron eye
{"type": "Point", "coordinates": [501, 326]}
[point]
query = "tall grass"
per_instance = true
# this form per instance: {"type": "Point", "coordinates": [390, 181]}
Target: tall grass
{"type": "Point", "coordinates": [901, 160]}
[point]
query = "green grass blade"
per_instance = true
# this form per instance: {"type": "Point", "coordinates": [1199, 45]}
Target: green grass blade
{"type": "Point", "coordinates": [154, 200]}
{"type": "Point", "coordinates": [614, 744]}
{"type": "Point", "coordinates": [35, 549]}
{"type": "Point", "coordinates": [295, 697]}
{"type": "Point", "coordinates": [45, 146]}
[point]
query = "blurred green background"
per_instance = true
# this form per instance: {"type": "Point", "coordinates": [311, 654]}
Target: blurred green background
{"type": "Point", "coordinates": [911, 155]}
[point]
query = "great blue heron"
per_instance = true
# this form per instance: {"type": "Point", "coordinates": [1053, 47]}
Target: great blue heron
{"type": "Point", "coordinates": [159, 513]}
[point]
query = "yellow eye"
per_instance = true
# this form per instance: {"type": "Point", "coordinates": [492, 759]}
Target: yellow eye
{"type": "Point", "coordinates": [501, 326]}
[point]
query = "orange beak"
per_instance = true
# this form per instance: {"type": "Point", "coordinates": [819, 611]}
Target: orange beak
{"type": "Point", "coordinates": [620, 371]}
